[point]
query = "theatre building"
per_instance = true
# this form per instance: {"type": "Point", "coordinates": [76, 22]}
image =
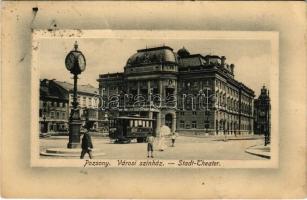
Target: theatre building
{"type": "Point", "coordinates": [190, 93]}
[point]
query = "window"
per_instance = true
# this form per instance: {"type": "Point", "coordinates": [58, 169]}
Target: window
{"type": "Point", "coordinates": [61, 104]}
{"type": "Point", "coordinates": [182, 113]}
{"type": "Point", "coordinates": [40, 113]}
{"type": "Point", "coordinates": [84, 101]}
{"type": "Point", "coordinates": [181, 124]}
{"type": "Point", "coordinates": [140, 123]}
{"type": "Point", "coordinates": [207, 82]}
{"type": "Point", "coordinates": [194, 113]}
{"type": "Point", "coordinates": [51, 114]}
{"type": "Point", "coordinates": [57, 115]}
{"type": "Point", "coordinates": [95, 102]}
{"type": "Point", "coordinates": [194, 124]}
{"type": "Point", "coordinates": [90, 102]}
{"type": "Point", "coordinates": [63, 115]}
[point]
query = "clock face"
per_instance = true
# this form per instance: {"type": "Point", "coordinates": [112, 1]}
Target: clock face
{"type": "Point", "coordinates": [70, 61]}
{"type": "Point", "coordinates": [81, 62]}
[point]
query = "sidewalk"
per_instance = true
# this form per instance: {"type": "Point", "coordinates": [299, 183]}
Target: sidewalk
{"type": "Point", "coordinates": [222, 137]}
{"type": "Point", "coordinates": [260, 150]}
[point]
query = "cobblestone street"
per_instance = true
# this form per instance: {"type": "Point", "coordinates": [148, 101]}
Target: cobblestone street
{"type": "Point", "coordinates": [185, 148]}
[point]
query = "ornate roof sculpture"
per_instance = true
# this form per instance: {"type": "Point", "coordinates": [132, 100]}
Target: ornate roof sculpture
{"type": "Point", "coordinates": [183, 52]}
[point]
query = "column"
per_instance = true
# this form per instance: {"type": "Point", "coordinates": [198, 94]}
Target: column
{"type": "Point", "coordinates": [174, 122]}
{"type": "Point", "coordinates": [161, 92]}
{"type": "Point", "coordinates": [150, 114]}
{"type": "Point", "coordinates": [175, 93]}
{"type": "Point", "coordinates": [128, 88]}
{"type": "Point", "coordinates": [160, 88]}
{"type": "Point", "coordinates": [215, 118]}
{"type": "Point", "coordinates": [158, 124]}
{"type": "Point", "coordinates": [148, 87]}
{"type": "Point", "coordinates": [148, 94]}
{"type": "Point", "coordinates": [138, 88]}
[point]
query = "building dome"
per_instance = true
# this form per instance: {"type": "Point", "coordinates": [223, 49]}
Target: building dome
{"type": "Point", "coordinates": [183, 52]}
{"type": "Point", "coordinates": [147, 56]}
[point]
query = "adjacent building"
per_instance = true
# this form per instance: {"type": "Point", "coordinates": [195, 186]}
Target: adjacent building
{"type": "Point", "coordinates": [262, 113]}
{"type": "Point", "coordinates": [56, 115]}
{"type": "Point", "coordinates": [191, 93]}
{"type": "Point", "coordinates": [53, 108]}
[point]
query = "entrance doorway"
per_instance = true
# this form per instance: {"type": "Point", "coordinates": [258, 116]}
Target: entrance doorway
{"type": "Point", "coordinates": [169, 120]}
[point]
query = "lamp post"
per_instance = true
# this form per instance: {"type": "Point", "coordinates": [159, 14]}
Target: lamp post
{"type": "Point", "coordinates": [75, 63]}
{"type": "Point", "coordinates": [207, 113]}
{"type": "Point", "coordinates": [44, 120]}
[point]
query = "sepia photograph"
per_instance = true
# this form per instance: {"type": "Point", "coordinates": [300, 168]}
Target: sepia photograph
{"type": "Point", "coordinates": [153, 99]}
{"type": "Point", "coordinates": [170, 99]}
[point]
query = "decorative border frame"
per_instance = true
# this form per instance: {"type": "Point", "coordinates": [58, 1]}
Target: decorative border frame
{"type": "Point", "coordinates": [273, 37]}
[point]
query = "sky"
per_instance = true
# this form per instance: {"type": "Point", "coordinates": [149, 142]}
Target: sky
{"type": "Point", "coordinates": [252, 58]}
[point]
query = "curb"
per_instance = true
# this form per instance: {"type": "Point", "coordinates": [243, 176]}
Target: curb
{"type": "Point", "coordinates": [62, 152]}
{"type": "Point", "coordinates": [252, 151]}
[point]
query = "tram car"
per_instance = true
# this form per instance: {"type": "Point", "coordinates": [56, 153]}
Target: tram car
{"type": "Point", "coordinates": [126, 128]}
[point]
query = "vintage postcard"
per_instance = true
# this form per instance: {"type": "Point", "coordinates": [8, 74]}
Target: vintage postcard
{"type": "Point", "coordinates": [162, 99]}
{"type": "Point", "coordinates": [166, 100]}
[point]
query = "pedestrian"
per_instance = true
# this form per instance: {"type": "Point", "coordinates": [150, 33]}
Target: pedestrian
{"type": "Point", "coordinates": [174, 136]}
{"type": "Point", "coordinates": [150, 147]}
{"type": "Point", "coordinates": [161, 143]}
{"type": "Point", "coordinates": [86, 145]}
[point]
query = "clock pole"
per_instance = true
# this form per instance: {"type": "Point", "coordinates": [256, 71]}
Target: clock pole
{"type": "Point", "coordinates": [73, 63]}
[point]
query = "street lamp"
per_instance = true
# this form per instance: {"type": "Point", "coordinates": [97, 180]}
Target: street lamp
{"type": "Point", "coordinates": [75, 63]}
{"type": "Point", "coordinates": [44, 111]}
{"type": "Point", "coordinates": [207, 113]}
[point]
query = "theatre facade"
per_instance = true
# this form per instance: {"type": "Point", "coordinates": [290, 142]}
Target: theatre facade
{"type": "Point", "coordinates": [190, 93]}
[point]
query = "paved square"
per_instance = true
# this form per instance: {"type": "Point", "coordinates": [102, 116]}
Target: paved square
{"type": "Point", "coordinates": [186, 147]}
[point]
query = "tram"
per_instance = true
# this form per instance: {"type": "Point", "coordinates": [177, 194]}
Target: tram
{"type": "Point", "coordinates": [126, 128]}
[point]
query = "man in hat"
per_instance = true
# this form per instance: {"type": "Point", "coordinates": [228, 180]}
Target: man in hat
{"type": "Point", "coordinates": [86, 144]}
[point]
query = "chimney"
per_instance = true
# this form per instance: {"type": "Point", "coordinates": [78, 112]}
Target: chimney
{"type": "Point", "coordinates": [223, 58]}
{"type": "Point", "coordinates": [232, 66]}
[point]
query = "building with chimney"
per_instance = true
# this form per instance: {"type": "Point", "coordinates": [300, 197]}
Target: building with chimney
{"type": "Point", "coordinates": [56, 99]}
{"type": "Point", "coordinates": [190, 93]}
{"type": "Point", "coordinates": [53, 108]}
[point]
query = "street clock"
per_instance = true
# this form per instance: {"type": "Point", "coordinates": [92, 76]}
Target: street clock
{"type": "Point", "coordinates": [75, 61]}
